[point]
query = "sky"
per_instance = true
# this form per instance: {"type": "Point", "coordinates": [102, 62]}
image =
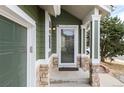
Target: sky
{"type": "Point", "coordinates": [119, 11]}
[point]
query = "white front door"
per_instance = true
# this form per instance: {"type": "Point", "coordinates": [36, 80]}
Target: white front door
{"type": "Point", "coordinates": [67, 45]}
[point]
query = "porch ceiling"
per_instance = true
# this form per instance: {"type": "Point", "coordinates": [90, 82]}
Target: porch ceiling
{"type": "Point", "coordinates": [79, 11]}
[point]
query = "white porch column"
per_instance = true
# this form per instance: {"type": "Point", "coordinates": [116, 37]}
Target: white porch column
{"type": "Point", "coordinates": [95, 48]}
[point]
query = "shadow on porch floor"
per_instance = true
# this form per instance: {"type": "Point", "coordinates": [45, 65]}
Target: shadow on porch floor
{"type": "Point", "coordinates": [69, 78]}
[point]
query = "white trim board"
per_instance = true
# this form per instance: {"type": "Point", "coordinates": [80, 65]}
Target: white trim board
{"type": "Point", "coordinates": [15, 14]}
{"type": "Point", "coordinates": [75, 27]}
{"type": "Point", "coordinates": [47, 43]}
{"type": "Point", "coordinates": [95, 18]}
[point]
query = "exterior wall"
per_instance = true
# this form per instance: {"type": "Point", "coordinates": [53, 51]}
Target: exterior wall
{"type": "Point", "coordinates": [38, 15]}
{"type": "Point", "coordinates": [64, 19]}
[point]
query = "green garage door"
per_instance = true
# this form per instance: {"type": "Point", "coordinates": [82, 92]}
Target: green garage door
{"type": "Point", "coordinates": [13, 54]}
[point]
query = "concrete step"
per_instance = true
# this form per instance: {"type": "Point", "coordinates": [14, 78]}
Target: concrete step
{"type": "Point", "coordinates": [69, 84]}
{"type": "Point", "coordinates": [83, 80]}
{"type": "Point", "coordinates": [69, 78]}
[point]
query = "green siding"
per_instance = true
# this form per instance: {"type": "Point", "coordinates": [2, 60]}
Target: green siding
{"type": "Point", "coordinates": [64, 19]}
{"type": "Point", "coordinates": [39, 16]}
{"type": "Point", "coordinates": [54, 42]}
{"type": "Point", "coordinates": [79, 41]}
{"type": "Point", "coordinates": [83, 40]}
{"type": "Point", "coordinates": [96, 39]}
{"type": "Point", "coordinates": [13, 54]}
{"type": "Point", "coordinates": [90, 39]}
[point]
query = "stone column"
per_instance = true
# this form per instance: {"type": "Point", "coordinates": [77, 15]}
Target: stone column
{"type": "Point", "coordinates": [94, 75]}
{"type": "Point", "coordinates": [55, 62]}
{"type": "Point", "coordinates": [85, 60]}
{"type": "Point", "coordinates": [42, 75]}
{"type": "Point", "coordinates": [95, 49]}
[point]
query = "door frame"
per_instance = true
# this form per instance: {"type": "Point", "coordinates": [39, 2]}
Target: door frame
{"type": "Point", "coordinates": [15, 14]}
{"type": "Point", "coordinates": [75, 27]}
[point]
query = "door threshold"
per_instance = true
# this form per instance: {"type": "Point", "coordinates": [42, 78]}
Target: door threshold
{"type": "Point", "coordinates": [68, 69]}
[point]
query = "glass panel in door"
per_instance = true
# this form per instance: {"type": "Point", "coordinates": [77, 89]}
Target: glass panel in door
{"type": "Point", "coordinates": [67, 45]}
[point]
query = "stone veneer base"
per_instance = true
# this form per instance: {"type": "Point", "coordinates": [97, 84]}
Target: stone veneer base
{"type": "Point", "coordinates": [94, 75]}
{"type": "Point", "coordinates": [42, 75]}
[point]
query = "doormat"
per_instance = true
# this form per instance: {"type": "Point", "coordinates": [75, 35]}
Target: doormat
{"type": "Point", "coordinates": [68, 69]}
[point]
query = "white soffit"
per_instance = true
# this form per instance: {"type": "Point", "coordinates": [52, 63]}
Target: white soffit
{"type": "Point", "coordinates": [51, 9]}
{"type": "Point", "coordinates": [81, 11]}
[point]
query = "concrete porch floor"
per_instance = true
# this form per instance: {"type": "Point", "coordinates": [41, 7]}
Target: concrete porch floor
{"type": "Point", "coordinates": [69, 78]}
{"type": "Point", "coordinates": [80, 78]}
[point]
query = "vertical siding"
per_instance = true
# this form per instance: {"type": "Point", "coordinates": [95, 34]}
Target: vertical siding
{"type": "Point", "coordinates": [91, 40]}
{"type": "Point", "coordinates": [38, 15]}
{"type": "Point", "coordinates": [64, 19]}
{"type": "Point", "coordinates": [84, 41]}
{"type": "Point", "coordinates": [96, 39]}
{"type": "Point", "coordinates": [79, 40]}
